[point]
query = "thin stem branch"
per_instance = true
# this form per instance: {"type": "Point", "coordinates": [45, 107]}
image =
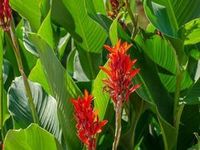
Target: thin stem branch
{"type": "Point", "coordinates": [118, 113]}
{"type": "Point", "coordinates": [21, 70]}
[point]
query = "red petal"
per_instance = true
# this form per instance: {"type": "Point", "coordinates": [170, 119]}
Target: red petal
{"type": "Point", "coordinates": [105, 70]}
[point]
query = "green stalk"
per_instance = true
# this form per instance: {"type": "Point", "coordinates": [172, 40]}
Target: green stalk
{"type": "Point", "coordinates": [134, 21]}
{"type": "Point", "coordinates": [118, 113]}
{"type": "Point", "coordinates": [181, 65]}
{"type": "Point", "coordinates": [1, 84]}
{"type": "Point", "coordinates": [21, 70]}
{"type": "Point", "coordinates": [177, 93]}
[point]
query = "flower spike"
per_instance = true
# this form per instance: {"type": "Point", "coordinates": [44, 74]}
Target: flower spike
{"type": "Point", "coordinates": [5, 14]}
{"type": "Point", "coordinates": [88, 124]}
{"type": "Point", "coordinates": [119, 84]}
{"type": "Point", "coordinates": [120, 72]}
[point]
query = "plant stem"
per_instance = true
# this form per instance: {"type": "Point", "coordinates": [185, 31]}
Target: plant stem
{"type": "Point", "coordinates": [181, 67]}
{"type": "Point", "coordinates": [118, 113]}
{"type": "Point", "coordinates": [134, 21]}
{"type": "Point", "coordinates": [177, 93]}
{"type": "Point", "coordinates": [21, 70]}
{"type": "Point", "coordinates": [1, 85]}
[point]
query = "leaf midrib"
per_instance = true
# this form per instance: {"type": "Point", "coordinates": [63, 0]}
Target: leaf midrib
{"type": "Point", "coordinates": [173, 14]}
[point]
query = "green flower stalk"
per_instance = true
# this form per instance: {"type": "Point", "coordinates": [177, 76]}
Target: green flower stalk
{"type": "Point", "coordinates": [8, 26]}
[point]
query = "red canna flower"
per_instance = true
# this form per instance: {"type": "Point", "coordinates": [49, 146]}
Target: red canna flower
{"type": "Point", "coordinates": [5, 14]}
{"type": "Point", "coordinates": [120, 73]}
{"type": "Point", "coordinates": [88, 124]}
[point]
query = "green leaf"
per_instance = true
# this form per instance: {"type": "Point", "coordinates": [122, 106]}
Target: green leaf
{"type": "Point", "coordinates": [63, 42]}
{"type": "Point", "coordinates": [158, 50]}
{"type": "Point", "coordinates": [37, 75]}
{"type": "Point", "coordinates": [62, 17]}
{"type": "Point", "coordinates": [169, 15]}
{"type": "Point", "coordinates": [71, 61]}
{"type": "Point", "coordinates": [99, 6]}
{"type": "Point", "coordinates": [28, 59]}
{"type": "Point", "coordinates": [194, 51]}
{"type": "Point", "coordinates": [46, 106]}
{"type": "Point", "coordinates": [63, 89]}
{"type": "Point", "coordinates": [169, 81]}
{"type": "Point", "coordinates": [92, 34]}
{"type": "Point", "coordinates": [192, 32]}
{"type": "Point", "coordinates": [31, 138]}
{"type": "Point", "coordinates": [46, 32]}
{"type": "Point", "coordinates": [193, 96]}
{"type": "Point", "coordinates": [101, 97]}
{"type": "Point", "coordinates": [28, 9]}
{"type": "Point", "coordinates": [113, 32]}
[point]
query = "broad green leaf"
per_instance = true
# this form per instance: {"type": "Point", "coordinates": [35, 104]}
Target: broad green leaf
{"type": "Point", "coordinates": [62, 17]}
{"type": "Point", "coordinates": [158, 50]}
{"type": "Point", "coordinates": [94, 9]}
{"type": "Point", "coordinates": [37, 75]}
{"type": "Point", "coordinates": [44, 7]}
{"type": "Point", "coordinates": [92, 34]}
{"type": "Point", "coordinates": [113, 33]}
{"type": "Point", "coordinates": [28, 9]}
{"type": "Point", "coordinates": [169, 15]}
{"type": "Point", "coordinates": [46, 31]}
{"type": "Point", "coordinates": [193, 96]}
{"type": "Point", "coordinates": [46, 107]}
{"type": "Point", "coordinates": [169, 81]}
{"type": "Point", "coordinates": [99, 6]}
{"type": "Point", "coordinates": [63, 89]}
{"type": "Point", "coordinates": [192, 32]}
{"type": "Point", "coordinates": [31, 138]}
{"type": "Point", "coordinates": [101, 97]}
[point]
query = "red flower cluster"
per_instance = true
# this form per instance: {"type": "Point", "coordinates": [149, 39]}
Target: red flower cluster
{"type": "Point", "coordinates": [88, 124]}
{"type": "Point", "coordinates": [114, 4]}
{"type": "Point", "coordinates": [5, 14]}
{"type": "Point", "coordinates": [120, 73]}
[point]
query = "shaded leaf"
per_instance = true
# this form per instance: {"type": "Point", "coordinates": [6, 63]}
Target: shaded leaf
{"type": "Point", "coordinates": [46, 107]}
{"type": "Point", "coordinates": [62, 87]}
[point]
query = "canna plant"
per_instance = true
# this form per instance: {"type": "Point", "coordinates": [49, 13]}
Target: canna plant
{"type": "Point", "coordinates": [119, 83]}
{"type": "Point", "coordinates": [51, 51]}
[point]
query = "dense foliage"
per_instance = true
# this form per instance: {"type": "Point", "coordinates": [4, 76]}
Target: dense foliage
{"type": "Point", "coordinates": [144, 85]}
